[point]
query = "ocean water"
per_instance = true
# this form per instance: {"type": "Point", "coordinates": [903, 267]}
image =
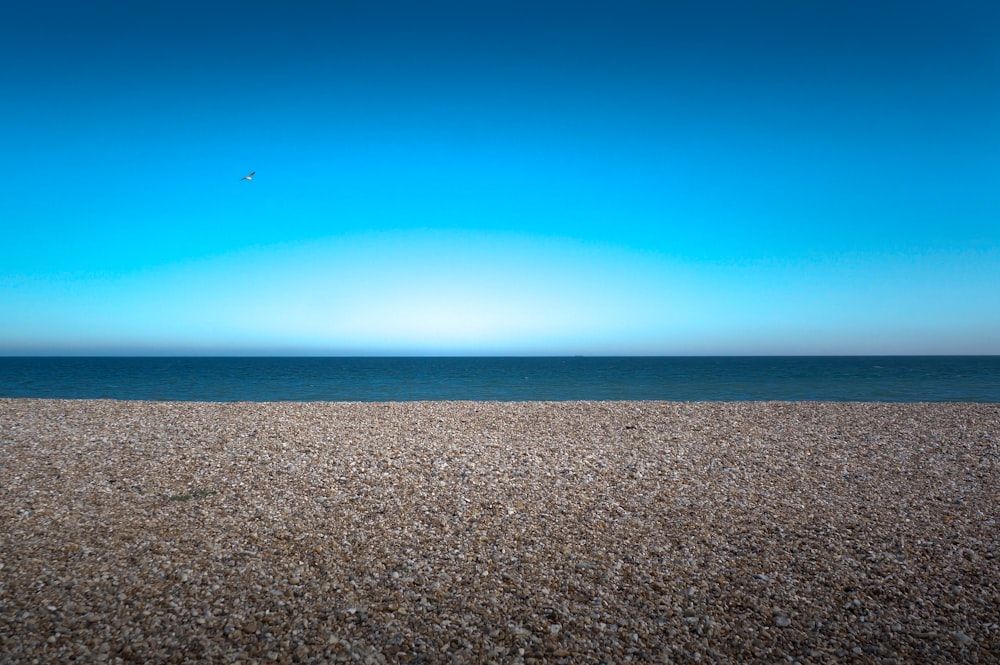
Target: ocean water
{"type": "Point", "coordinates": [838, 378]}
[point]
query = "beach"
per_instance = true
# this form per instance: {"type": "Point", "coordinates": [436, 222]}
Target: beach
{"type": "Point", "coordinates": [506, 532]}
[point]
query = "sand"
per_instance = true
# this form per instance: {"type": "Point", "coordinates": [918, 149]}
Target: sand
{"type": "Point", "coordinates": [472, 532]}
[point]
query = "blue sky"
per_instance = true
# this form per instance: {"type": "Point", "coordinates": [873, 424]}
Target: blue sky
{"type": "Point", "coordinates": [500, 177]}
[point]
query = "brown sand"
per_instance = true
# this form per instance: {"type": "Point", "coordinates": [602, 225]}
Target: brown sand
{"type": "Point", "coordinates": [575, 532]}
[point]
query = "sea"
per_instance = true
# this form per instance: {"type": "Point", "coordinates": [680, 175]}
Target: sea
{"type": "Point", "coordinates": [355, 379]}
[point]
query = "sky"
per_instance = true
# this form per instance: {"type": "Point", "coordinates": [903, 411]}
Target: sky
{"type": "Point", "coordinates": [500, 177]}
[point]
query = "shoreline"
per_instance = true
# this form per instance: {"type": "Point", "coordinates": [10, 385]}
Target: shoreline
{"type": "Point", "coordinates": [499, 531]}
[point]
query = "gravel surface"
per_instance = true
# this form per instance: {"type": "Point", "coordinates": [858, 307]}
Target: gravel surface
{"type": "Point", "coordinates": [477, 532]}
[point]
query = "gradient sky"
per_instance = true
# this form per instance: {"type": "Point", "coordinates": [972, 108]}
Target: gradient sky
{"type": "Point", "coordinates": [500, 177]}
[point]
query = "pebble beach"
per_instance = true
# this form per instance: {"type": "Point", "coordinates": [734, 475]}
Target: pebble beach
{"type": "Point", "coordinates": [499, 532]}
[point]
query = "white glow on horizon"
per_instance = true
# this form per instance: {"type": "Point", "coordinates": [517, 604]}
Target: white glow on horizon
{"type": "Point", "coordinates": [456, 293]}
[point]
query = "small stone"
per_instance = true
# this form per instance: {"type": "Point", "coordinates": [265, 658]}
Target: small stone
{"type": "Point", "coordinates": [414, 530]}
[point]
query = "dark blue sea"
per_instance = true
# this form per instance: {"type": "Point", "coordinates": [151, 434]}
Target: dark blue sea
{"type": "Point", "coordinates": [838, 378]}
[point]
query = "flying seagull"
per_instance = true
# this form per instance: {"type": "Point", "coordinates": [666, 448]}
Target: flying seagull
{"type": "Point", "coordinates": [248, 176]}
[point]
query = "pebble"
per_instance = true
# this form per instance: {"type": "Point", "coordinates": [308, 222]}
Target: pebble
{"type": "Point", "coordinates": [498, 532]}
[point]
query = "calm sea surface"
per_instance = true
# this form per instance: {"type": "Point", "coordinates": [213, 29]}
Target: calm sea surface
{"type": "Point", "coordinates": [882, 378]}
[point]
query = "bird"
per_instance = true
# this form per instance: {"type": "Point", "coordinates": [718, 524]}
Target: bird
{"type": "Point", "coordinates": [249, 176]}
